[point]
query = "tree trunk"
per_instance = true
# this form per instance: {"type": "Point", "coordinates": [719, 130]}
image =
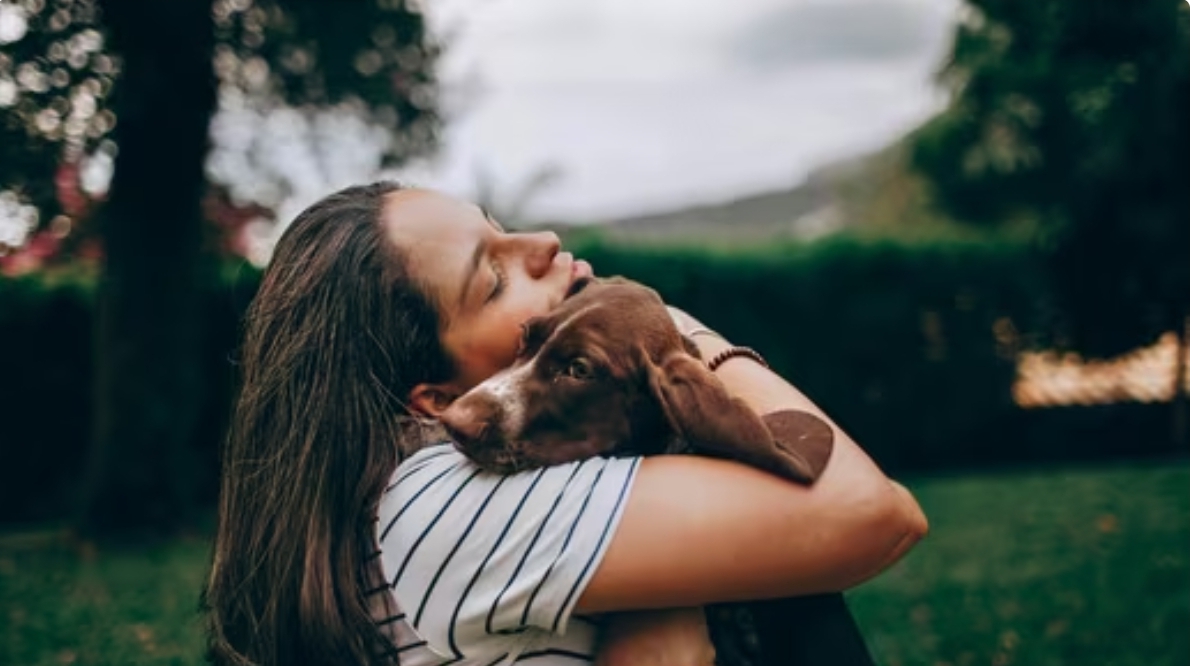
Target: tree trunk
{"type": "Point", "coordinates": [148, 386]}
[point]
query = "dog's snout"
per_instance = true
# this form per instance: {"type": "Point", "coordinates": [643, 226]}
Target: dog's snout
{"type": "Point", "coordinates": [468, 420]}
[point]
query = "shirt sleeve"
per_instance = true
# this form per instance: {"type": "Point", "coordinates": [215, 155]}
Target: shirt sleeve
{"type": "Point", "coordinates": [469, 554]}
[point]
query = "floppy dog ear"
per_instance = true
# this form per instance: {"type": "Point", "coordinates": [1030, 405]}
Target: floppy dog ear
{"type": "Point", "coordinates": [792, 444]}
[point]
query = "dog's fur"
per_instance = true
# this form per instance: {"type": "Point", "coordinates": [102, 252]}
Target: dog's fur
{"type": "Point", "coordinates": [608, 373]}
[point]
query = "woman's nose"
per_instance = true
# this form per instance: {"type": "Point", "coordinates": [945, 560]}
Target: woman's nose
{"type": "Point", "coordinates": [541, 247]}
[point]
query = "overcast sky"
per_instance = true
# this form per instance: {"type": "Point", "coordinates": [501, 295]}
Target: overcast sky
{"type": "Point", "coordinates": [639, 105]}
{"type": "Point", "coordinates": [652, 104]}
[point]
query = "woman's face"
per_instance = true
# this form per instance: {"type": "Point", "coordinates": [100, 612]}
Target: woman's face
{"type": "Point", "coordinates": [486, 282]}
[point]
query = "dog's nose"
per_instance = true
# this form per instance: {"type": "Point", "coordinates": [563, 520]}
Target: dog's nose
{"type": "Point", "coordinates": [466, 421]}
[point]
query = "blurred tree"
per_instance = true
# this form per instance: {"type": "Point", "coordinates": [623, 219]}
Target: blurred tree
{"type": "Point", "coordinates": [302, 88]}
{"type": "Point", "coordinates": [147, 389]}
{"type": "Point", "coordinates": [55, 77]}
{"type": "Point", "coordinates": [168, 64]}
{"type": "Point", "coordinates": [1071, 116]}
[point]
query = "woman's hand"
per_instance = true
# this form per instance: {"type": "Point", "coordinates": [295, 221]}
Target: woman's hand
{"type": "Point", "coordinates": [671, 637]}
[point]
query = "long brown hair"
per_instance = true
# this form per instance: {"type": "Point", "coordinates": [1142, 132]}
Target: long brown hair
{"type": "Point", "coordinates": [335, 339]}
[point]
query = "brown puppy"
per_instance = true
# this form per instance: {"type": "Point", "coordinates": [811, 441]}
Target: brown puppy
{"type": "Point", "coordinates": [608, 373]}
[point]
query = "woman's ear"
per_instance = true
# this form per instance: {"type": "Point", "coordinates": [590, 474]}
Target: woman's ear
{"type": "Point", "coordinates": [701, 411]}
{"type": "Point", "coordinates": [431, 399]}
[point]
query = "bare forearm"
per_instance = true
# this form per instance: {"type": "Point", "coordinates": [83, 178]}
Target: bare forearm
{"type": "Point", "coordinates": [765, 391]}
{"type": "Point", "coordinates": [755, 535]}
{"type": "Point", "coordinates": [762, 389]}
{"type": "Point", "coordinates": [918, 526]}
{"type": "Point", "coordinates": [666, 637]}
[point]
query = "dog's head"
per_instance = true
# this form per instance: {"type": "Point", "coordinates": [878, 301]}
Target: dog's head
{"type": "Point", "coordinates": [607, 372]}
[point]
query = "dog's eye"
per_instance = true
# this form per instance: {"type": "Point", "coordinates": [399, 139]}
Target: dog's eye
{"type": "Point", "coordinates": [580, 368]}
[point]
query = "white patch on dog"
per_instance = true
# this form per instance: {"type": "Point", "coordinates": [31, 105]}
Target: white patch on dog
{"type": "Point", "coordinates": [504, 388]}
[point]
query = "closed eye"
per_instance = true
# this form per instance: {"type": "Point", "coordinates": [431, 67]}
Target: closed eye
{"type": "Point", "coordinates": [500, 283]}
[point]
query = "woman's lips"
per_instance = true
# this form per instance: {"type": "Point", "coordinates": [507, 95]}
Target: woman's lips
{"type": "Point", "coordinates": [580, 271]}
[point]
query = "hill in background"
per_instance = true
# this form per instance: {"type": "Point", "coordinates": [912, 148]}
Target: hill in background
{"type": "Point", "coordinates": [876, 193]}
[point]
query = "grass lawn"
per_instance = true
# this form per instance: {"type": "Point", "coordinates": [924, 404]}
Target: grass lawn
{"type": "Point", "coordinates": [1086, 567]}
{"type": "Point", "coordinates": [1080, 567]}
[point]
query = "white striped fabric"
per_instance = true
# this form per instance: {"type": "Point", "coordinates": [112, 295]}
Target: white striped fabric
{"type": "Point", "coordinates": [486, 569]}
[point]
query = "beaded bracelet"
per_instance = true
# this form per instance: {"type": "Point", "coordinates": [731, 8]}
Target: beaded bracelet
{"type": "Point", "coordinates": [732, 352]}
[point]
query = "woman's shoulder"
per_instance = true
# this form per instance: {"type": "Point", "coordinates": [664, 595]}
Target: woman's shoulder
{"type": "Point", "coordinates": [438, 486]}
{"type": "Point", "coordinates": [470, 554]}
{"type": "Point", "coordinates": [441, 469]}
{"type": "Point", "coordinates": [441, 457]}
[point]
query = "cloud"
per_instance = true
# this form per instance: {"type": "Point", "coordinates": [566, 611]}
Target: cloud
{"type": "Point", "coordinates": [831, 31]}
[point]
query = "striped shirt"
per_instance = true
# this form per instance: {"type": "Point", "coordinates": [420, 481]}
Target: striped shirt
{"type": "Point", "coordinates": [486, 569]}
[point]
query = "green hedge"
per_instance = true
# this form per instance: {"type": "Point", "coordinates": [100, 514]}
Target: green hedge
{"type": "Point", "coordinates": [45, 387]}
{"type": "Point", "coordinates": [894, 339]}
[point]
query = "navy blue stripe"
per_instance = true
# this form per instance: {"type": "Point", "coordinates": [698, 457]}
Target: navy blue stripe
{"type": "Point", "coordinates": [390, 619]}
{"type": "Point", "coordinates": [416, 467]}
{"type": "Point", "coordinates": [429, 528]}
{"type": "Point", "coordinates": [384, 534]}
{"type": "Point", "coordinates": [421, 608]}
{"type": "Point", "coordinates": [482, 565]}
{"type": "Point", "coordinates": [591, 560]}
{"type": "Point", "coordinates": [565, 544]}
{"type": "Point", "coordinates": [529, 549]}
{"type": "Point", "coordinates": [498, 659]}
{"type": "Point", "coordinates": [410, 646]}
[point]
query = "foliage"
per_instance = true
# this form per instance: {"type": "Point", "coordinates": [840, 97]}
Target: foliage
{"type": "Point", "coordinates": [1072, 115]}
{"type": "Point", "coordinates": [56, 80]}
{"type": "Point", "coordinates": [376, 52]}
{"type": "Point", "coordinates": [373, 59]}
{"type": "Point", "coordinates": [910, 346]}
{"type": "Point", "coordinates": [168, 63]}
{"type": "Point", "coordinates": [47, 342]}
{"type": "Point", "coordinates": [1059, 567]}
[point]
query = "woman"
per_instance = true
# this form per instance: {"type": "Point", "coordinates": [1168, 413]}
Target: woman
{"type": "Point", "coordinates": [380, 306]}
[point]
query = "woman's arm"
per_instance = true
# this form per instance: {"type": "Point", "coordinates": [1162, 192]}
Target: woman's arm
{"type": "Point", "coordinates": [699, 530]}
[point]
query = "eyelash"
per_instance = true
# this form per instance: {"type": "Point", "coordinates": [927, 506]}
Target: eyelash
{"type": "Point", "coordinates": [501, 279]}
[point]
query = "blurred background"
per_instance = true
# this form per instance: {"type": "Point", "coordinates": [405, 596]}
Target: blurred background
{"type": "Point", "coordinates": [961, 226]}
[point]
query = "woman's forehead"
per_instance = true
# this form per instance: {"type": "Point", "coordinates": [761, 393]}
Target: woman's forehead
{"type": "Point", "coordinates": [436, 232]}
{"type": "Point", "coordinates": [426, 216]}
